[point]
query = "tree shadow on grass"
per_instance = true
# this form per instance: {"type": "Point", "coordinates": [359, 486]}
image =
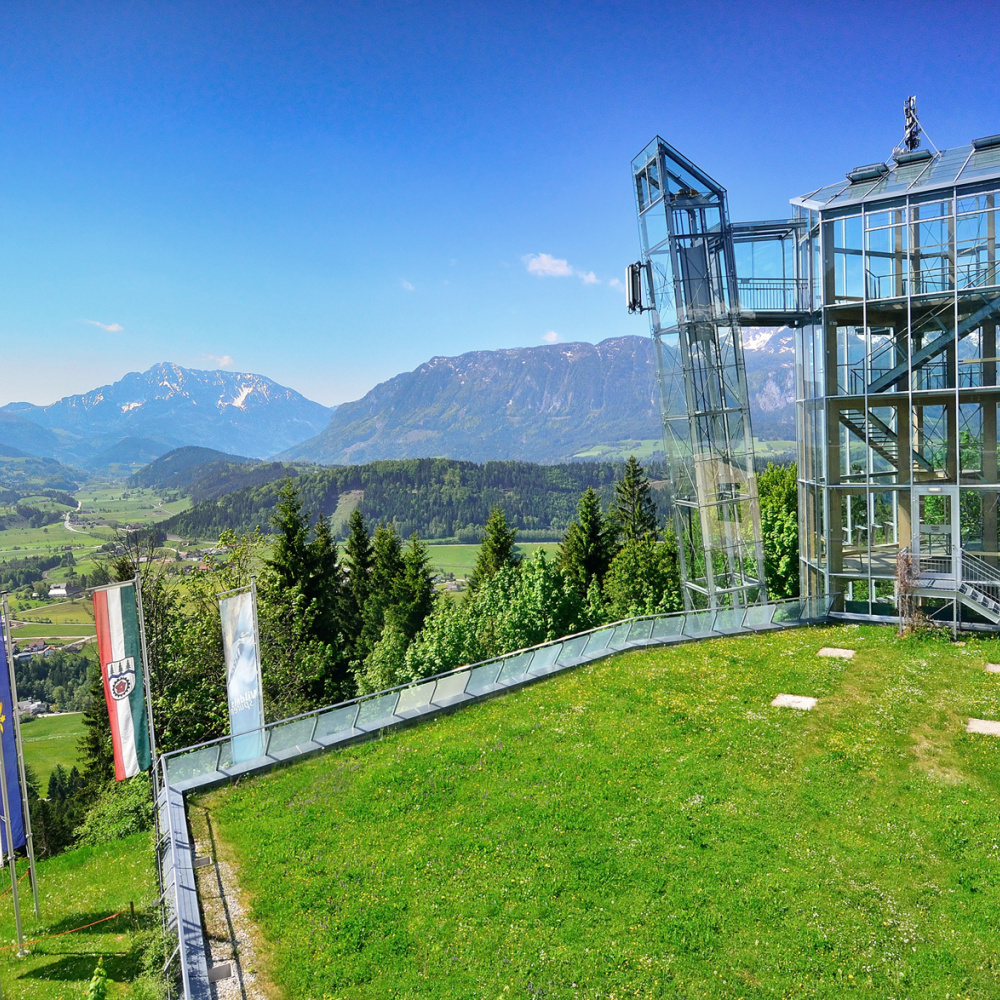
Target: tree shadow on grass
{"type": "Point", "coordinates": [74, 956]}
{"type": "Point", "coordinates": [79, 966]}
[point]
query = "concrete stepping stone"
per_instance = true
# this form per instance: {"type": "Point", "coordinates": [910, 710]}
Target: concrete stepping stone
{"type": "Point", "coordinates": [985, 726]}
{"type": "Point", "coordinates": [993, 668]}
{"type": "Point", "coordinates": [798, 701]}
{"type": "Point", "coordinates": [843, 654]}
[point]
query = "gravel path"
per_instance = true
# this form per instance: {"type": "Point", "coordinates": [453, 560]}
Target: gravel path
{"type": "Point", "coordinates": [228, 929]}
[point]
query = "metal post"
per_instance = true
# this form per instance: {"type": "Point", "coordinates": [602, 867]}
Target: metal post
{"type": "Point", "coordinates": [154, 763]}
{"type": "Point", "coordinates": [146, 680]}
{"type": "Point", "coordinates": [10, 852]}
{"type": "Point", "coordinates": [28, 839]}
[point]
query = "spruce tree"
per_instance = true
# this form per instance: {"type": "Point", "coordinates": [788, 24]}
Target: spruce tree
{"type": "Point", "coordinates": [497, 549]}
{"type": "Point", "coordinates": [290, 557]}
{"type": "Point", "coordinates": [588, 546]}
{"type": "Point", "coordinates": [358, 566]}
{"type": "Point", "coordinates": [633, 510]}
{"type": "Point", "coordinates": [418, 586]}
{"type": "Point", "coordinates": [385, 587]}
{"type": "Point", "coordinates": [358, 558]}
{"type": "Point", "coordinates": [326, 583]}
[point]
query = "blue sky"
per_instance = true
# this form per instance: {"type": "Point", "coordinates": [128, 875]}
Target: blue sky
{"type": "Point", "coordinates": [332, 193]}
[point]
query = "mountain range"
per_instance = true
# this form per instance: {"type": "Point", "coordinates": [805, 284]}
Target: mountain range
{"type": "Point", "coordinates": [552, 403]}
{"type": "Point", "coordinates": [145, 414]}
{"type": "Point", "coordinates": [541, 404]}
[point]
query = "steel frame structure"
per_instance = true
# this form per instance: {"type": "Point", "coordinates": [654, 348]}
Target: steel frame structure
{"type": "Point", "coordinates": [891, 279]}
{"type": "Point", "coordinates": [687, 257]}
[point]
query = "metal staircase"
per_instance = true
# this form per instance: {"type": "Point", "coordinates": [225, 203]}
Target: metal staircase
{"type": "Point", "coordinates": [979, 585]}
{"type": "Point", "coordinates": [881, 438]}
{"type": "Point", "coordinates": [975, 583]}
{"type": "Point", "coordinates": [922, 355]}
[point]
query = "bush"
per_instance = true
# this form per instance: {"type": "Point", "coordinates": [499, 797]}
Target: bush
{"type": "Point", "coordinates": [124, 808]}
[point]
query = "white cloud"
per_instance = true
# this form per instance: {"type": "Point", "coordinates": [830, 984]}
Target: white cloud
{"type": "Point", "coordinates": [222, 360]}
{"type": "Point", "coordinates": [551, 337]}
{"type": "Point", "coordinates": [408, 286]}
{"type": "Point", "coordinates": [107, 327]}
{"type": "Point", "coordinates": [544, 265]}
{"type": "Point", "coordinates": [616, 285]}
{"type": "Point", "coordinates": [547, 266]}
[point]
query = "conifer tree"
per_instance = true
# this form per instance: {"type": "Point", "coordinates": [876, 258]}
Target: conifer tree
{"type": "Point", "coordinates": [326, 585]}
{"type": "Point", "coordinates": [497, 550]}
{"type": "Point", "coordinates": [290, 555]}
{"type": "Point", "coordinates": [358, 559]}
{"type": "Point", "coordinates": [588, 545]}
{"type": "Point", "coordinates": [385, 587]}
{"type": "Point", "coordinates": [418, 586]}
{"type": "Point", "coordinates": [633, 510]}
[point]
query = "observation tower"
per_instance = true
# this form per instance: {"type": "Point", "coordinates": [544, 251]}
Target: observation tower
{"type": "Point", "coordinates": [891, 280]}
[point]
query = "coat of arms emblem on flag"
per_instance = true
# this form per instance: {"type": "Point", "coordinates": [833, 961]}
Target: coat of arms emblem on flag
{"type": "Point", "coordinates": [119, 644]}
{"type": "Point", "coordinates": [121, 678]}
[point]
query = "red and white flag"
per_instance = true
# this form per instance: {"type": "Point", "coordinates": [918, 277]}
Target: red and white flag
{"type": "Point", "coordinates": [120, 647]}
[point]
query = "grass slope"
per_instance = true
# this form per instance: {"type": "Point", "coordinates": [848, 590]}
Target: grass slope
{"type": "Point", "coordinates": [50, 741]}
{"type": "Point", "coordinates": [74, 889]}
{"type": "Point", "coordinates": [649, 826]}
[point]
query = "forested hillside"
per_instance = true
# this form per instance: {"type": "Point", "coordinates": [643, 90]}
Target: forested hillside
{"type": "Point", "coordinates": [204, 474]}
{"type": "Point", "coordinates": [436, 497]}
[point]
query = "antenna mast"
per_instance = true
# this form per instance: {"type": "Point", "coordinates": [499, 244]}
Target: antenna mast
{"type": "Point", "coordinates": [911, 134]}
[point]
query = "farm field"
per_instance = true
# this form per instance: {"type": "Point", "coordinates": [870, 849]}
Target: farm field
{"type": "Point", "coordinates": [101, 508]}
{"type": "Point", "coordinates": [42, 630]}
{"type": "Point", "coordinates": [649, 826]}
{"type": "Point", "coordinates": [80, 611]}
{"type": "Point", "coordinates": [460, 559]}
{"type": "Point", "coordinates": [74, 889]}
{"type": "Point", "coordinates": [49, 741]}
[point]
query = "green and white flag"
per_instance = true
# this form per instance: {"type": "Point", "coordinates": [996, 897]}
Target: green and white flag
{"type": "Point", "coordinates": [119, 645]}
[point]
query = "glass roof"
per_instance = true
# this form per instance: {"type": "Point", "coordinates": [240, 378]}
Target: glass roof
{"type": "Point", "coordinates": [961, 165]}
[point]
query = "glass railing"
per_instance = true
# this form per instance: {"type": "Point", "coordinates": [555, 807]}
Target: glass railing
{"type": "Point", "coordinates": [324, 727]}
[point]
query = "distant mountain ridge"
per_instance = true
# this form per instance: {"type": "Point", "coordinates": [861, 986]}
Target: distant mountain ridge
{"type": "Point", "coordinates": [536, 404]}
{"type": "Point", "coordinates": [549, 404]}
{"type": "Point", "coordinates": [539, 404]}
{"type": "Point", "coordinates": [163, 408]}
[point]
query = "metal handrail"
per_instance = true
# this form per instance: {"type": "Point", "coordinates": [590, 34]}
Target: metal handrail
{"type": "Point", "coordinates": [465, 668]}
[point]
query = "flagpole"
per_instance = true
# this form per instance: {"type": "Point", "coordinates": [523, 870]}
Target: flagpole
{"type": "Point", "coordinates": [153, 759]}
{"type": "Point", "coordinates": [26, 809]}
{"type": "Point", "coordinates": [145, 680]}
{"type": "Point", "coordinates": [10, 850]}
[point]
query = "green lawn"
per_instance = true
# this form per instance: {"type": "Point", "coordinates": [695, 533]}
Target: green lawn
{"type": "Point", "coordinates": [61, 629]}
{"type": "Point", "coordinates": [649, 826]}
{"type": "Point", "coordinates": [50, 741]}
{"type": "Point", "coordinates": [80, 611]}
{"type": "Point", "coordinates": [77, 888]}
{"type": "Point", "coordinates": [459, 559]}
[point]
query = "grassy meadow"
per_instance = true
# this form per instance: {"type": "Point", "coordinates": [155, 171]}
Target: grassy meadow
{"type": "Point", "coordinates": [648, 826]}
{"type": "Point", "coordinates": [49, 741]}
{"type": "Point", "coordinates": [460, 559]}
{"type": "Point", "coordinates": [77, 888]}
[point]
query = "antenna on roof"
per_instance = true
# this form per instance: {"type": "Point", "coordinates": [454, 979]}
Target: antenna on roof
{"type": "Point", "coordinates": [907, 151]}
{"type": "Point", "coordinates": [911, 135]}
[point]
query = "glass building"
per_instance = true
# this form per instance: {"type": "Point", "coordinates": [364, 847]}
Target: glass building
{"type": "Point", "coordinates": [890, 279]}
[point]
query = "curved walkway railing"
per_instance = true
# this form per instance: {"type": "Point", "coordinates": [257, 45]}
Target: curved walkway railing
{"type": "Point", "coordinates": [214, 762]}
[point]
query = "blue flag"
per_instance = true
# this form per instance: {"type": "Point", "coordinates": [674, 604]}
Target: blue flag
{"type": "Point", "coordinates": [8, 743]}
